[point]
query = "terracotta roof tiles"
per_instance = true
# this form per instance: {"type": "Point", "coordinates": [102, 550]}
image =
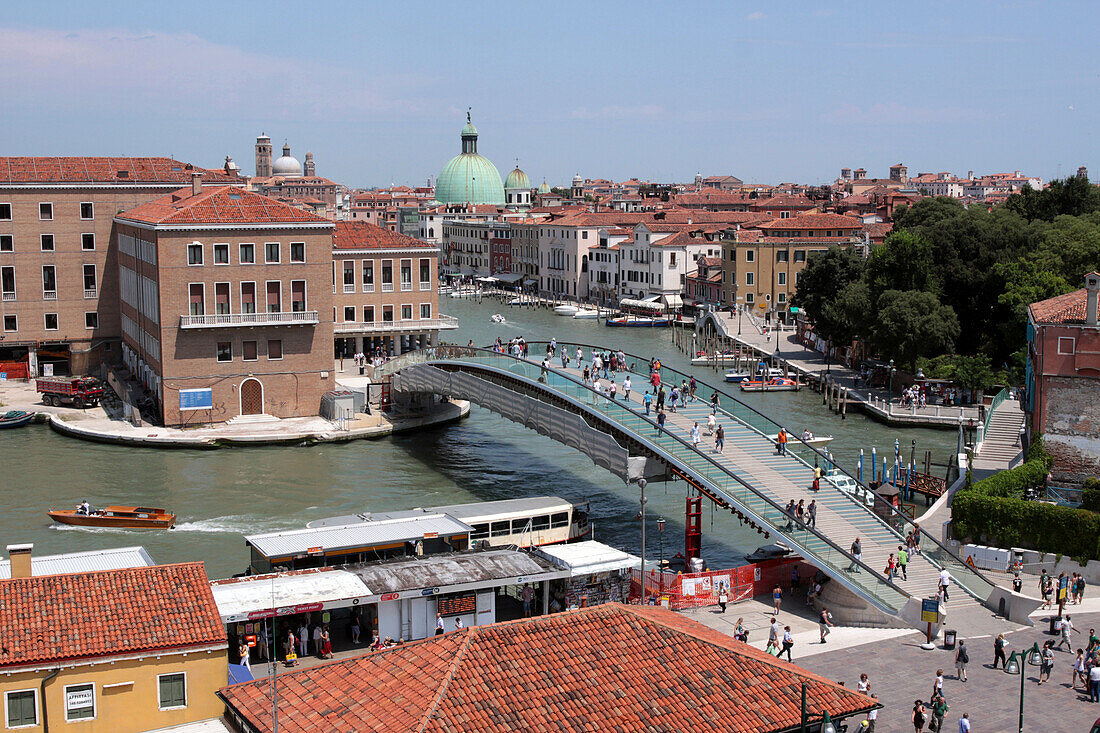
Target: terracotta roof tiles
{"type": "Point", "coordinates": [1061, 309]}
{"type": "Point", "coordinates": [86, 169]}
{"type": "Point", "coordinates": [217, 205]}
{"type": "Point", "coordinates": [361, 235]}
{"type": "Point", "coordinates": [814, 221]}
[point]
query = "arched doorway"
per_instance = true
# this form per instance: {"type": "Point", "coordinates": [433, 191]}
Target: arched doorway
{"type": "Point", "coordinates": [252, 397]}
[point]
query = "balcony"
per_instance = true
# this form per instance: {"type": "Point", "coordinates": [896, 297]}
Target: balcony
{"type": "Point", "coordinates": [9, 295]}
{"type": "Point", "coordinates": [442, 323]}
{"type": "Point", "coordinates": [90, 293]}
{"type": "Point", "coordinates": [49, 295]}
{"type": "Point", "coordinates": [236, 320]}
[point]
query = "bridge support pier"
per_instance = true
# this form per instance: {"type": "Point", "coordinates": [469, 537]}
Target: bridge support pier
{"type": "Point", "coordinates": [848, 609]}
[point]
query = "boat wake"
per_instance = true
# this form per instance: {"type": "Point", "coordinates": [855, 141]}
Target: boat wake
{"type": "Point", "coordinates": [233, 524]}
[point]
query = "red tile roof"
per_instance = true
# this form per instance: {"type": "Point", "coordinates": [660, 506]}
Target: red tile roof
{"type": "Point", "coordinates": [361, 235]}
{"type": "Point", "coordinates": [218, 205]}
{"type": "Point", "coordinates": [43, 169]}
{"type": "Point", "coordinates": [814, 221]}
{"type": "Point", "coordinates": [603, 668]}
{"type": "Point", "coordinates": [54, 618]}
{"type": "Point", "coordinates": [1061, 309]}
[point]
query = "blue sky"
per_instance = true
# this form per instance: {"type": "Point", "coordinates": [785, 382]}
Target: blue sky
{"type": "Point", "coordinates": [768, 92]}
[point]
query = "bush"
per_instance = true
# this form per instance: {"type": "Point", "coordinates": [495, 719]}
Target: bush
{"type": "Point", "coordinates": [1030, 475]}
{"type": "Point", "coordinates": [1090, 495]}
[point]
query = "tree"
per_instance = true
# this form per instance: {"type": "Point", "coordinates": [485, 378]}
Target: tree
{"type": "Point", "coordinates": [903, 262]}
{"type": "Point", "coordinates": [910, 324]}
{"type": "Point", "coordinates": [1072, 196]}
{"type": "Point", "coordinates": [825, 275]}
{"type": "Point", "coordinates": [973, 373]}
{"type": "Point", "coordinates": [846, 318]}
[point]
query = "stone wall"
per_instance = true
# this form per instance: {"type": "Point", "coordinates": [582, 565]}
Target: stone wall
{"type": "Point", "coordinates": [1071, 429]}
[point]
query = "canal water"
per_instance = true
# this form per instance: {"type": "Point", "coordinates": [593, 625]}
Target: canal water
{"type": "Point", "coordinates": [221, 495]}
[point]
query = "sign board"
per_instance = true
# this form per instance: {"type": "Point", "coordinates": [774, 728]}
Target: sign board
{"type": "Point", "coordinates": [197, 399]}
{"type": "Point", "coordinates": [79, 699]}
{"type": "Point", "coordinates": [388, 597]}
{"type": "Point", "coordinates": [457, 604]}
{"type": "Point", "coordinates": [47, 370]}
{"type": "Point", "coordinates": [315, 551]}
{"type": "Point", "coordinates": [795, 309]}
{"type": "Point", "coordinates": [430, 535]}
{"type": "Point", "coordinates": [930, 611]}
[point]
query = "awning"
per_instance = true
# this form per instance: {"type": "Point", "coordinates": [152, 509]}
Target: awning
{"type": "Point", "coordinates": [510, 277]}
{"type": "Point", "coordinates": [588, 558]}
{"type": "Point", "coordinates": [673, 301]}
{"type": "Point", "coordinates": [486, 279]}
{"type": "Point", "coordinates": [652, 305]}
{"type": "Point", "coordinates": [243, 599]}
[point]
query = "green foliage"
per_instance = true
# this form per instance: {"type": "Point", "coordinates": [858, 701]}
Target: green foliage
{"type": "Point", "coordinates": [1013, 483]}
{"type": "Point", "coordinates": [1090, 495]}
{"type": "Point", "coordinates": [819, 285]}
{"type": "Point", "coordinates": [974, 372]}
{"type": "Point", "coordinates": [1009, 522]}
{"type": "Point", "coordinates": [1072, 197]}
{"type": "Point", "coordinates": [910, 324]}
{"type": "Point", "coordinates": [903, 262]}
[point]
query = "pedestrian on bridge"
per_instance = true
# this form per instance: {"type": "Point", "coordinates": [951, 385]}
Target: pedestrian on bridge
{"type": "Point", "coordinates": [719, 439]}
{"type": "Point", "coordinates": [781, 442]}
{"type": "Point", "coordinates": [647, 400]}
{"type": "Point", "coordinates": [710, 424]}
{"type": "Point", "coordinates": [695, 436]}
{"type": "Point", "coordinates": [626, 388]}
{"type": "Point", "coordinates": [660, 397]}
{"type": "Point", "coordinates": [903, 560]}
{"type": "Point", "coordinates": [692, 386]}
{"type": "Point", "coordinates": [811, 514]}
{"type": "Point", "coordinates": [714, 402]}
{"type": "Point", "coordinates": [672, 397]}
{"type": "Point", "coordinates": [660, 420]}
{"type": "Point", "coordinates": [945, 582]}
{"type": "Point", "coordinates": [580, 356]}
{"type": "Point", "coordinates": [857, 554]}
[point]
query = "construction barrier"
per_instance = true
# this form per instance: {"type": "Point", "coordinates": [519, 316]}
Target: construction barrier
{"type": "Point", "coordinates": [695, 590]}
{"type": "Point", "coordinates": [14, 370]}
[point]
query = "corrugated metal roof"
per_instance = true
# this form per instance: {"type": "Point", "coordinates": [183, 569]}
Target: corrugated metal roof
{"type": "Point", "coordinates": [478, 509]}
{"type": "Point", "coordinates": [460, 568]}
{"type": "Point", "coordinates": [241, 596]}
{"type": "Point", "coordinates": [586, 558]}
{"type": "Point", "coordinates": [359, 534]}
{"type": "Point", "coordinates": [115, 558]}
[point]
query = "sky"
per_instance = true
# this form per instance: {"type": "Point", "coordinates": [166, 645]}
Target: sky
{"type": "Point", "coordinates": [768, 92]}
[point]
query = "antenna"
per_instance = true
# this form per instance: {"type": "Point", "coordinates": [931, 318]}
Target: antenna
{"type": "Point", "coordinates": [468, 114]}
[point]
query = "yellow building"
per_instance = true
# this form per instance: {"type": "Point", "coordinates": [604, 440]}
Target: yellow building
{"type": "Point", "coordinates": [113, 651]}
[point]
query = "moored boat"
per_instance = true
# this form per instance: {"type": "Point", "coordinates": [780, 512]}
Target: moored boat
{"type": "Point", "coordinates": [637, 321]}
{"type": "Point", "coordinates": [566, 310]}
{"type": "Point", "coordinates": [775, 384]}
{"type": "Point", "coordinates": [815, 440]}
{"type": "Point", "coordinates": [735, 376]}
{"type": "Point", "coordinates": [120, 517]}
{"type": "Point", "coordinates": [16, 419]}
{"type": "Point", "coordinates": [704, 359]}
{"type": "Point", "coordinates": [586, 313]}
{"type": "Point", "coordinates": [496, 318]}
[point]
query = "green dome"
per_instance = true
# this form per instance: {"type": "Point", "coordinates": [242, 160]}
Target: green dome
{"type": "Point", "coordinates": [517, 179]}
{"type": "Point", "coordinates": [544, 187]}
{"type": "Point", "coordinates": [469, 178]}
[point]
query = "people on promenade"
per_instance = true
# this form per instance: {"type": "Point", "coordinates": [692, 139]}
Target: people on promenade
{"type": "Point", "coordinates": [626, 388]}
{"type": "Point", "coordinates": [919, 716]}
{"type": "Point", "coordinates": [962, 658]}
{"type": "Point", "coordinates": [673, 396]}
{"type": "Point", "coordinates": [714, 402]}
{"type": "Point", "coordinates": [937, 685]}
{"type": "Point", "coordinates": [964, 723]}
{"type": "Point", "coordinates": [939, 709]}
{"type": "Point", "coordinates": [1094, 683]}
{"type": "Point", "coordinates": [944, 583]}
{"type": "Point", "coordinates": [647, 400]}
{"type": "Point", "coordinates": [719, 439]}
{"type": "Point", "coordinates": [824, 623]}
{"type": "Point", "coordinates": [789, 510]}
{"type": "Point", "coordinates": [903, 560]}
{"type": "Point", "coordinates": [695, 436]}
{"type": "Point", "coordinates": [660, 397]}
{"type": "Point", "coordinates": [777, 598]}
{"type": "Point", "coordinates": [1066, 628]}
{"type": "Point", "coordinates": [811, 514]}
{"type": "Point", "coordinates": [999, 651]}
{"type": "Point", "coordinates": [781, 442]}
{"type": "Point", "coordinates": [1079, 671]}
{"type": "Point", "coordinates": [711, 422]}
{"type": "Point", "coordinates": [857, 554]}
{"type": "Point", "coordinates": [739, 631]}
{"type": "Point", "coordinates": [660, 420]}
{"type": "Point", "coordinates": [773, 633]}
{"type": "Point", "coordinates": [1047, 664]}
{"type": "Point", "coordinates": [788, 643]}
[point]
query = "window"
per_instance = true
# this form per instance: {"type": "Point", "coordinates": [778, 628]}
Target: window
{"type": "Point", "coordinates": [21, 708]}
{"type": "Point", "coordinates": [45, 212]}
{"type": "Point", "coordinates": [297, 296]}
{"type": "Point", "coordinates": [5, 212]}
{"type": "Point", "coordinates": [221, 254]}
{"type": "Point", "coordinates": [368, 314]}
{"type": "Point", "coordinates": [368, 276]}
{"type": "Point", "coordinates": [7, 282]}
{"type": "Point", "coordinates": [425, 274]}
{"type": "Point", "coordinates": [541, 522]}
{"type": "Point", "coordinates": [1066, 345]}
{"type": "Point", "coordinates": [349, 276]}
{"type": "Point", "coordinates": [781, 297]}
{"type": "Point", "coordinates": [225, 351]}
{"type": "Point", "coordinates": [349, 314]}
{"type": "Point", "coordinates": [11, 323]}
{"type": "Point", "coordinates": [248, 297]}
{"type": "Point", "coordinates": [271, 252]}
{"type": "Point", "coordinates": [194, 254]}
{"type": "Point", "coordinates": [173, 690]}
{"type": "Point", "coordinates": [800, 255]}
{"type": "Point", "coordinates": [387, 314]}
{"type": "Point", "coordinates": [387, 276]}
{"type": "Point", "coordinates": [89, 281]}
{"type": "Point", "coordinates": [425, 311]}
{"type": "Point", "coordinates": [297, 251]}
{"type": "Point", "coordinates": [750, 298]}
{"type": "Point", "coordinates": [406, 312]}
{"type": "Point", "coordinates": [406, 275]}
{"type": "Point", "coordinates": [274, 296]}
{"type": "Point", "coordinates": [51, 322]}
{"type": "Point", "coordinates": [782, 278]}
{"type": "Point", "coordinates": [7, 243]}
{"type": "Point", "coordinates": [47, 243]}
{"type": "Point", "coordinates": [750, 278]}
{"type": "Point", "coordinates": [275, 349]}
{"type": "Point", "coordinates": [750, 255]}
{"type": "Point", "coordinates": [49, 282]}
{"type": "Point", "coordinates": [481, 531]}
{"type": "Point", "coordinates": [79, 702]}
{"type": "Point", "coordinates": [500, 529]}
{"type": "Point", "coordinates": [221, 299]}
{"type": "Point", "coordinates": [87, 241]}
{"type": "Point", "coordinates": [671, 258]}
{"type": "Point", "coordinates": [87, 210]}
{"type": "Point", "coordinates": [91, 320]}
{"type": "Point", "coordinates": [781, 255]}
{"type": "Point", "coordinates": [196, 297]}
{"type": "Point", "coordinates": [246, 254]}
{"type": "Point", "coordinates": [248, 351]}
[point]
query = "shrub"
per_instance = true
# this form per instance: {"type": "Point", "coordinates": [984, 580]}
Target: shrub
{"type": "Point", "coordinates": [1090, 495]}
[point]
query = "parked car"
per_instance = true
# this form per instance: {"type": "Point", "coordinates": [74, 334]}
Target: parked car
{"type": "Point", "coordinates": [77, 391]}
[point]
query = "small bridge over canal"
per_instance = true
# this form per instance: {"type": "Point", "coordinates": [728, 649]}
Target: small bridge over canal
{"type": "Point", "coordinates": [749, 478]}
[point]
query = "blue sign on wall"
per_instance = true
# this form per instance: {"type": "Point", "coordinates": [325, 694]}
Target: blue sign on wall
{"type": "Point", "coordinates": [197, 399]}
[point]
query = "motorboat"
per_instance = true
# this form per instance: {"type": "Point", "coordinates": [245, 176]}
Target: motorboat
{"type": "Point", "coordinates": [638, 321]}
{"type": "Point", "coordinates": [586, 313]}
{"type": "Point", "coordinates": [704, 359]}
{"type": "Point", "coordinates": [16, 419]}
{"type": "Point", "coordinates": [496, 318]}
{"type": "Point", "coordinates": [118, 517]}
{"type": "Point", "coordinates": [775, 384]}
{"type": "Point", "coordinates": [566, 310]}
{"type": "Point", "coordinates": [736, 376]}
{"type": "Point", "coordinates": [773, 551]}
{"type": "Point", "coordinates": [849, 486]}
{"type": "Point", "coordinates": [814, 441]}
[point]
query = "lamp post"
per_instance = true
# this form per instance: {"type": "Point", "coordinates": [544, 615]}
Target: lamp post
{"type": "Point", "coordinates": [661, 540]}
{"type": "Point", "coordinates": [826, 722]}
{"type": "Point", "coordinates": [1015, 665]}
{"type": "Point", "coordinates": [890, 384]}
{"type": "Point", "coordinates": [641, 485]}
{"type": "Point", "coordinates": [740, 309]}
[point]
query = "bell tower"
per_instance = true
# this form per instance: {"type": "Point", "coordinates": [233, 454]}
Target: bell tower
{"type": "Point", "coordinates": [263, 156]}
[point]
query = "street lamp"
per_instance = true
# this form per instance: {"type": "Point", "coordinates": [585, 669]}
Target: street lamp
{"type": "Point", "coordinates": [740, 308]}
{"type": "Point", "coordinates": [641, 485]}
{"type": "Point", "coordinates": [1015, 665]}
{"type": "Point", "coordinates": [826, 722]}
{"type": "Point", "coordinates": [890, 383]}
{"type": "Point", "coordinates": [661, 538]}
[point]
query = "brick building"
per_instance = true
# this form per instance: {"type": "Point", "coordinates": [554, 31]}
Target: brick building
{"type": "Point", "coordinates": [226, 304]}
{"type": "Point", "coordinates": [1062, 399]}
{"type": "Point", "coordinates": [57, 269]}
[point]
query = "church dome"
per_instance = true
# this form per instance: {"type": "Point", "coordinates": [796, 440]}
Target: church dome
{"type": "Point", "coordinates": [287, 165]}
{"type": "Point", "coordinates": [517, 179]}
{"type": "Point", "coordinates": [469, 178]}
{"type": "Point", "coordinates": [544, 187]}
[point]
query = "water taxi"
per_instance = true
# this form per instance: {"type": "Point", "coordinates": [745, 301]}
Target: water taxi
{"type": "Point", "coordinates": [566, 310]}
{"type": "Point", "coordinates": [775, 384]}
{"type": "Point", "coordinates": [496, 318]}
{"type": "Point", "coordinates": [814, 440]}
{"type": "Point", "coordinates": [120, 517]}
{"type": "Point", "coordinates": [587, 313]}
{"type": "Point", "coordinates": [638, 321]}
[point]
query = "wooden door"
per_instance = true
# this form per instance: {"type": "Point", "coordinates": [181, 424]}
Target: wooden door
{"type": "Point", "coordinates": [252, 397]}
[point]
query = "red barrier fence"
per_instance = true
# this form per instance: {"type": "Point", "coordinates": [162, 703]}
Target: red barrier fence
{"type": "Point", "coordinates": [703, 589]}
{"type": "Point", "coordinates": [14, 370]}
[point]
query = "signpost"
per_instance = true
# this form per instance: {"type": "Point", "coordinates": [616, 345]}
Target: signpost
{"type": "Point", "coordinates": [929, 614]}
{"type": "Point", "coordinates": [197, 399]}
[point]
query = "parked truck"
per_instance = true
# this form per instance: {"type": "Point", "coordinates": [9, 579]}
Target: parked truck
{"type": "Point", "coordinates": [78, 391]}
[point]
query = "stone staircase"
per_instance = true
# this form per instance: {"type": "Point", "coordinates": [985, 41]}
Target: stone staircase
{"type": "Point", "coordinates": [251, 419]}
{"type": "Point", "coordinates": [1001, 443]}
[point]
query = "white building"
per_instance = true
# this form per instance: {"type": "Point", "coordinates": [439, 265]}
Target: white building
{"type": "Point", "coordinates": [659, 257]}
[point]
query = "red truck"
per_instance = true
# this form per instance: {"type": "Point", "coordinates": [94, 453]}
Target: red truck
{"type": "Point", "coordinates": [79, 391]}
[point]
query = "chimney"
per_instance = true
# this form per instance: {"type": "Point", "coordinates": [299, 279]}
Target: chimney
{"type": "Point", "coordinates": [1092, 295]}
{"type": "Point", "coordinates": [196, 183]}
{"type": "Point", "coordinates": [20, 556]}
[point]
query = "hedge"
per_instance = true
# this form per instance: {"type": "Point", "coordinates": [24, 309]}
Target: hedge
{"type": "Point", "coordinates": [993, 510]}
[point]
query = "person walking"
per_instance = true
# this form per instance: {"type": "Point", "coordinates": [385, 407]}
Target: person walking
{"type": "Point", "coordinates": [937, 685]}
{"type": "Point", "coordinates": [626, 388]}
{"type": "Point", "coordinates": [695, 436]}
{"type": "Point", "coordinates": [1094, 683]}
{"type": "Point", "coordinates": [857, 554]}
{"type": "Point", "coordinates": [710, 424]}
{"type": "Point", "coordinates": [673, 396]}
{"type": "Point", "coordinates": [773, 633]}
{"type": "Point", "coordinates": [714, 402]}
{"type": "Point", "coordinates": [1079, 671]}
{"type": "Point", "coordinates": [944, 583]}
{"type": "Point", "coordinates": [919, 716]}
{"type": "Point", "coordinates": [303, 640]}
{"type": "Point", "coordinates": [739, 631]}
{"type": "Point", "coordinates": [1047, 664]}
{"type": "Point", "coordinates": [660, 397]}
{"type": "Point", "coordinates": [999, 651]}
{"type": "Point", "coordinates": [891, 568]}
{"type": "Point", "coordinates": [1067, 629]}
{"type": "Point", "coordinates": [817, 477]}
{"type": "Point", "coordinates": [242, 652]}
{"type": "Point", "coordinates": [939, 710]}
{"type": "Point", "coordinates": [811, 514]}
{"type": "Point", "coordinates": [723, 596]}
{"type": "Point", "coordinates": [781, 442]}
{"type": "Point", "coordinates": [528, 595]}
{"type": "Point", "coordinates": [962, 658]}
{"type": "Point", "coordinates": [647, 400]}
{"type": "Point", "coordinates": [903, 560]}
{"type": "Point", "coordinates": [824, 623]}
{"type": "Point", "coordinates": [788, 643]}
{"type": "Point", "coordinates": [660, 421]}
{"type": "Point", "coordinates": [777, 599]}
{"type": "Point", "coordinates": [719, 439]}
{"type": "Point", "coordinates": [964, 723]}
{"type": "Point", "coordinates": [288, 648]}
{"type": "Point", "coordinates": [318, 641]}
{"type": "Point", "coordinates": [262, 642]}
{"type": "Point", "coordinates": [691, 388]}
{"type": "Point", "coordinates": [439, 628]}
{"type": "Point", "coordinates": [872, 717]}
{"type": "Point", "coordinates": [326, 643]}
{"type": "Point", "coordinates": [864, 684]}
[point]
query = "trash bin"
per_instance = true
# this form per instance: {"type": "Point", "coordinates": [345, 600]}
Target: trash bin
{"type": "Point", "coordinates": [949, 636]}
{"type": "Point", "coordinates": [1053, 626]}
{"type": "Point", "coordinates": [362, 370]}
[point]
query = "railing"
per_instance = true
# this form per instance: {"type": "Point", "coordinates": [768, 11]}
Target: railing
{"type": "Point", "coordinates": [49, 295]}
{"type": "Point", "coordinates": [9, 295]}
{"type": "Point", "coordinates": [682, 455]}
{"type": "Point", "coordinates": [427, 324]}
{"type": "Point", "coordinates": [89, 293]}
{"type": "Point", "coordinates": [226, 320]}
{"type": "Point", "coordinates": [997, 402]}
{"type": "Point", "coordinates": [932, 550]}
{"type": "Point", "coordinates": [349, 287]}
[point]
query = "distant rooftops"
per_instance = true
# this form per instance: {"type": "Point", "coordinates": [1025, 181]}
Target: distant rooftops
{"type": "Point", "coordinates": [87, 169]}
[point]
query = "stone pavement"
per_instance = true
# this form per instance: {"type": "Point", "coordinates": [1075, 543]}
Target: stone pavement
{"type": "Point", "coordinates": [901, 672]}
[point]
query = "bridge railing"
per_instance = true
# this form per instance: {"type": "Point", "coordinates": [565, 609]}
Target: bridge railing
{"type": "Point", "coordinates": [809, 455]}
{"type": "Point", "coordinates": [680, 453]}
